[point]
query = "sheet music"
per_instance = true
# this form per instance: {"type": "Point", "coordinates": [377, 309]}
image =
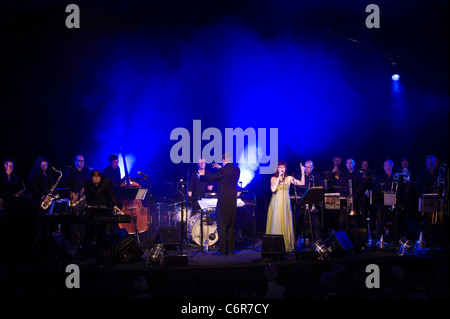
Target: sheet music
{"type": "Point", "coordinates": [206, 203]}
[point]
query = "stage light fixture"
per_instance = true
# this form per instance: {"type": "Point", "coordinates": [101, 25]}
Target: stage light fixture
{"type": "Point", "coordinates": [395, 77]}
{"type": "Point", "coordinates": [323, 251]}
{"type": "Point", "coordinates": [406, 247]}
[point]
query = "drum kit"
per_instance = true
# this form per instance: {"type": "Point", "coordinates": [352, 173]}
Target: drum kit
{"type": "Point", "coordinates": [192, 222]}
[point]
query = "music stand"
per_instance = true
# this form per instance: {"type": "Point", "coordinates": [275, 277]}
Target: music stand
{"type": "Point", "coordinates": [204, 204]}
{"type": "Point", "coordinates": [312, 196]}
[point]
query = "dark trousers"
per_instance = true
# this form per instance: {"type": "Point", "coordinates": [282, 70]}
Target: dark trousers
{"type": "Point", "coordinates": [225, 229]}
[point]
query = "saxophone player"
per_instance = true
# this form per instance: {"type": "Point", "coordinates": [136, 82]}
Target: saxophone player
{"type": "Point", "coordinates": [75, 177]}
{"type": "Point", "coordinates": [10, 183]}
{"type": "Point", "coordinates": [40, 179]}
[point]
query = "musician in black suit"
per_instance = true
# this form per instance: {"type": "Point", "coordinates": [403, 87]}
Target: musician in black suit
{"type": "Point", "coordinates": [357, 190]}
{"type": "Point", "coordinates": [112, 172]}
{"type": "Point", "coordinates": [99, 192]}
{"type": "Point", "coordinates": [75, 177]}
{"type": "Point", "coordinates": [10, 182]}
{"type": "Point", "coordinates": [196, 187]}
{"type": "Point", "coordinates": [227, 178]}
{"type": "Point", "coordinates": [312, 179]}
{"type": "Point", "coordinates": [40, 179]}
{"type": "Point", "coordinates": [384, 183]}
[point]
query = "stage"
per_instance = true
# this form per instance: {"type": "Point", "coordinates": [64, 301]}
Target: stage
{"type": "Point", "coordinates": [243, 275]}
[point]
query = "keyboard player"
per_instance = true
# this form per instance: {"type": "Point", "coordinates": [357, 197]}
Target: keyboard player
{"type": "Point", "coordinates": [99, 193]}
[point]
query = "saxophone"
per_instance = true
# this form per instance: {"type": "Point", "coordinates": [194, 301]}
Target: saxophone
{"type": "Point", "coordinates": [47, 201]}
{"type": "Point", "coordinates": [81, 198]}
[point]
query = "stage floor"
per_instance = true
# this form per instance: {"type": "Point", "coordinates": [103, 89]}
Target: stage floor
{"type": "Point", "coordinates": [207, 276]}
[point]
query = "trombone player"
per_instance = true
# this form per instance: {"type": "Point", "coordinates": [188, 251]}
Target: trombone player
{"type": "Point", "coordinates": [353, 192]}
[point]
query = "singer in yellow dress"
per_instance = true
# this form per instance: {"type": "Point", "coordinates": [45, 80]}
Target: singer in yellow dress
{"type": "Point", "coordinates": [279, 216]}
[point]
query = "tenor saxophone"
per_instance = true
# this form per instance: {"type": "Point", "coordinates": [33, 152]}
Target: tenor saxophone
{"type": "Point", "coordinates": [47, 201]}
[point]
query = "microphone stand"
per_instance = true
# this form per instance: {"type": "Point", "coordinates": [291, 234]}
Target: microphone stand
{"type": "Point", "coordinates": [150, 202]}
{"type": "Point", "coordinates": [296, 204]}
{"type": "Point", "coordinates": [183, 209]}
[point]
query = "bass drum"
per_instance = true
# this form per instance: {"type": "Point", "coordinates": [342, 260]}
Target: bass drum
{"type": "Point", "coordinates": [209, 230]}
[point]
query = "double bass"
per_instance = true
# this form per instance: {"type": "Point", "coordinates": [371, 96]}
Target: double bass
{"type": "Point", "coordinates": [139, 213]}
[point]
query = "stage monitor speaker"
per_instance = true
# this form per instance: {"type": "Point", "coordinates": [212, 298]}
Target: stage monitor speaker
{"type": "Point", "coordinates": [273, 247]}
{"type": "Point", "coordinates": [127, 250]}
{"type": "Point", "coordinates": [339, 244]}
{"type": "Point", "coordinates": [169, 237]}
{"type": "Point", "coordinates": [357, 237]}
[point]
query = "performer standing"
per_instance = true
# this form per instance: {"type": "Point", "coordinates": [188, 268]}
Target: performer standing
{"type": "Point", "coordinates": [312, 179]}
{"type": "Point", "coordinates": [99, 193]}
{"type": "Point", "coordinates": [198, 188]}
{"type": "Point", "coordinates": [383, 183]}
{"type": "Point", "coordinates": [279, 216]}
{"type": "Point", "coordinates": [426, 179]}
{"type": "Point", "coordinates": [357, 187]}
{"type": "Point", "coordinates": [227, 178]}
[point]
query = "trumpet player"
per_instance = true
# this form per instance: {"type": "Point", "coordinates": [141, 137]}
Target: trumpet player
{"type": "Point", "coordinates": [357, 188]}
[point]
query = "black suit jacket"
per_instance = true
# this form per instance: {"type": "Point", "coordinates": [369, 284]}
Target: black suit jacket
{"type": "Point", "coordinates": [357, 183]}
{"type": "Point", "coordinates": [101, 195]}
{"type": "Point", "coordinates": [40, 184]}
{"type": "Point", "coordinates": [227, 178]}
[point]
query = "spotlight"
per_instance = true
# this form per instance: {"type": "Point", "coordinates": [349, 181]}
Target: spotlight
{"type": "Point", "coordinates": [395, 77]}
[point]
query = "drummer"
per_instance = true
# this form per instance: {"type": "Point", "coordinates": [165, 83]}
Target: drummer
{"type": "Point", "coordinates": [197, 189]}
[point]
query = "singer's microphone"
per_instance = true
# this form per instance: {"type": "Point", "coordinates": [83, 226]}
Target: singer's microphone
{"type": "Point", "coordinates": [140, 173]}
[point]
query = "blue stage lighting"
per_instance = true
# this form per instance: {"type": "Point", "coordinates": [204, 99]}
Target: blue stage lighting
{"type": "Point", "coordinates": [395, 77]}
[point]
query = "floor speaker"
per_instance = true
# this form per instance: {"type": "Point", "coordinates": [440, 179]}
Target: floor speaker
{"type": "Point", "coordinates": [273, 247]}
{"type": "Point", "coordinates": [339, 244]}
{"type": "Point", "coordinates": [169, 237]}
{"type": "Point", "coordinates": [357, 237]}
{"type": "Point", "coordinates": [127, 250]}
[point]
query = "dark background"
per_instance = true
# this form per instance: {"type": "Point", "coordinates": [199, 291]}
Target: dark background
{"type": "Point", "coordinates": [136, 70]}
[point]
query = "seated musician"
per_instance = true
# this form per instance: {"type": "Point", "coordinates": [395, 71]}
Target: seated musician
{"type": "Point", "coordinates": [99, 193]}
{"type": "Point", "coordinates": [10, 183]}
{"type": "Point", "coordinates": [197, 188]}
{"type": "Point", "coordinates": [112, 171]}
{"type": "Point", "coordinates": [40, 179]}
{"type": "Point", "coordinates": [75, 177]}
